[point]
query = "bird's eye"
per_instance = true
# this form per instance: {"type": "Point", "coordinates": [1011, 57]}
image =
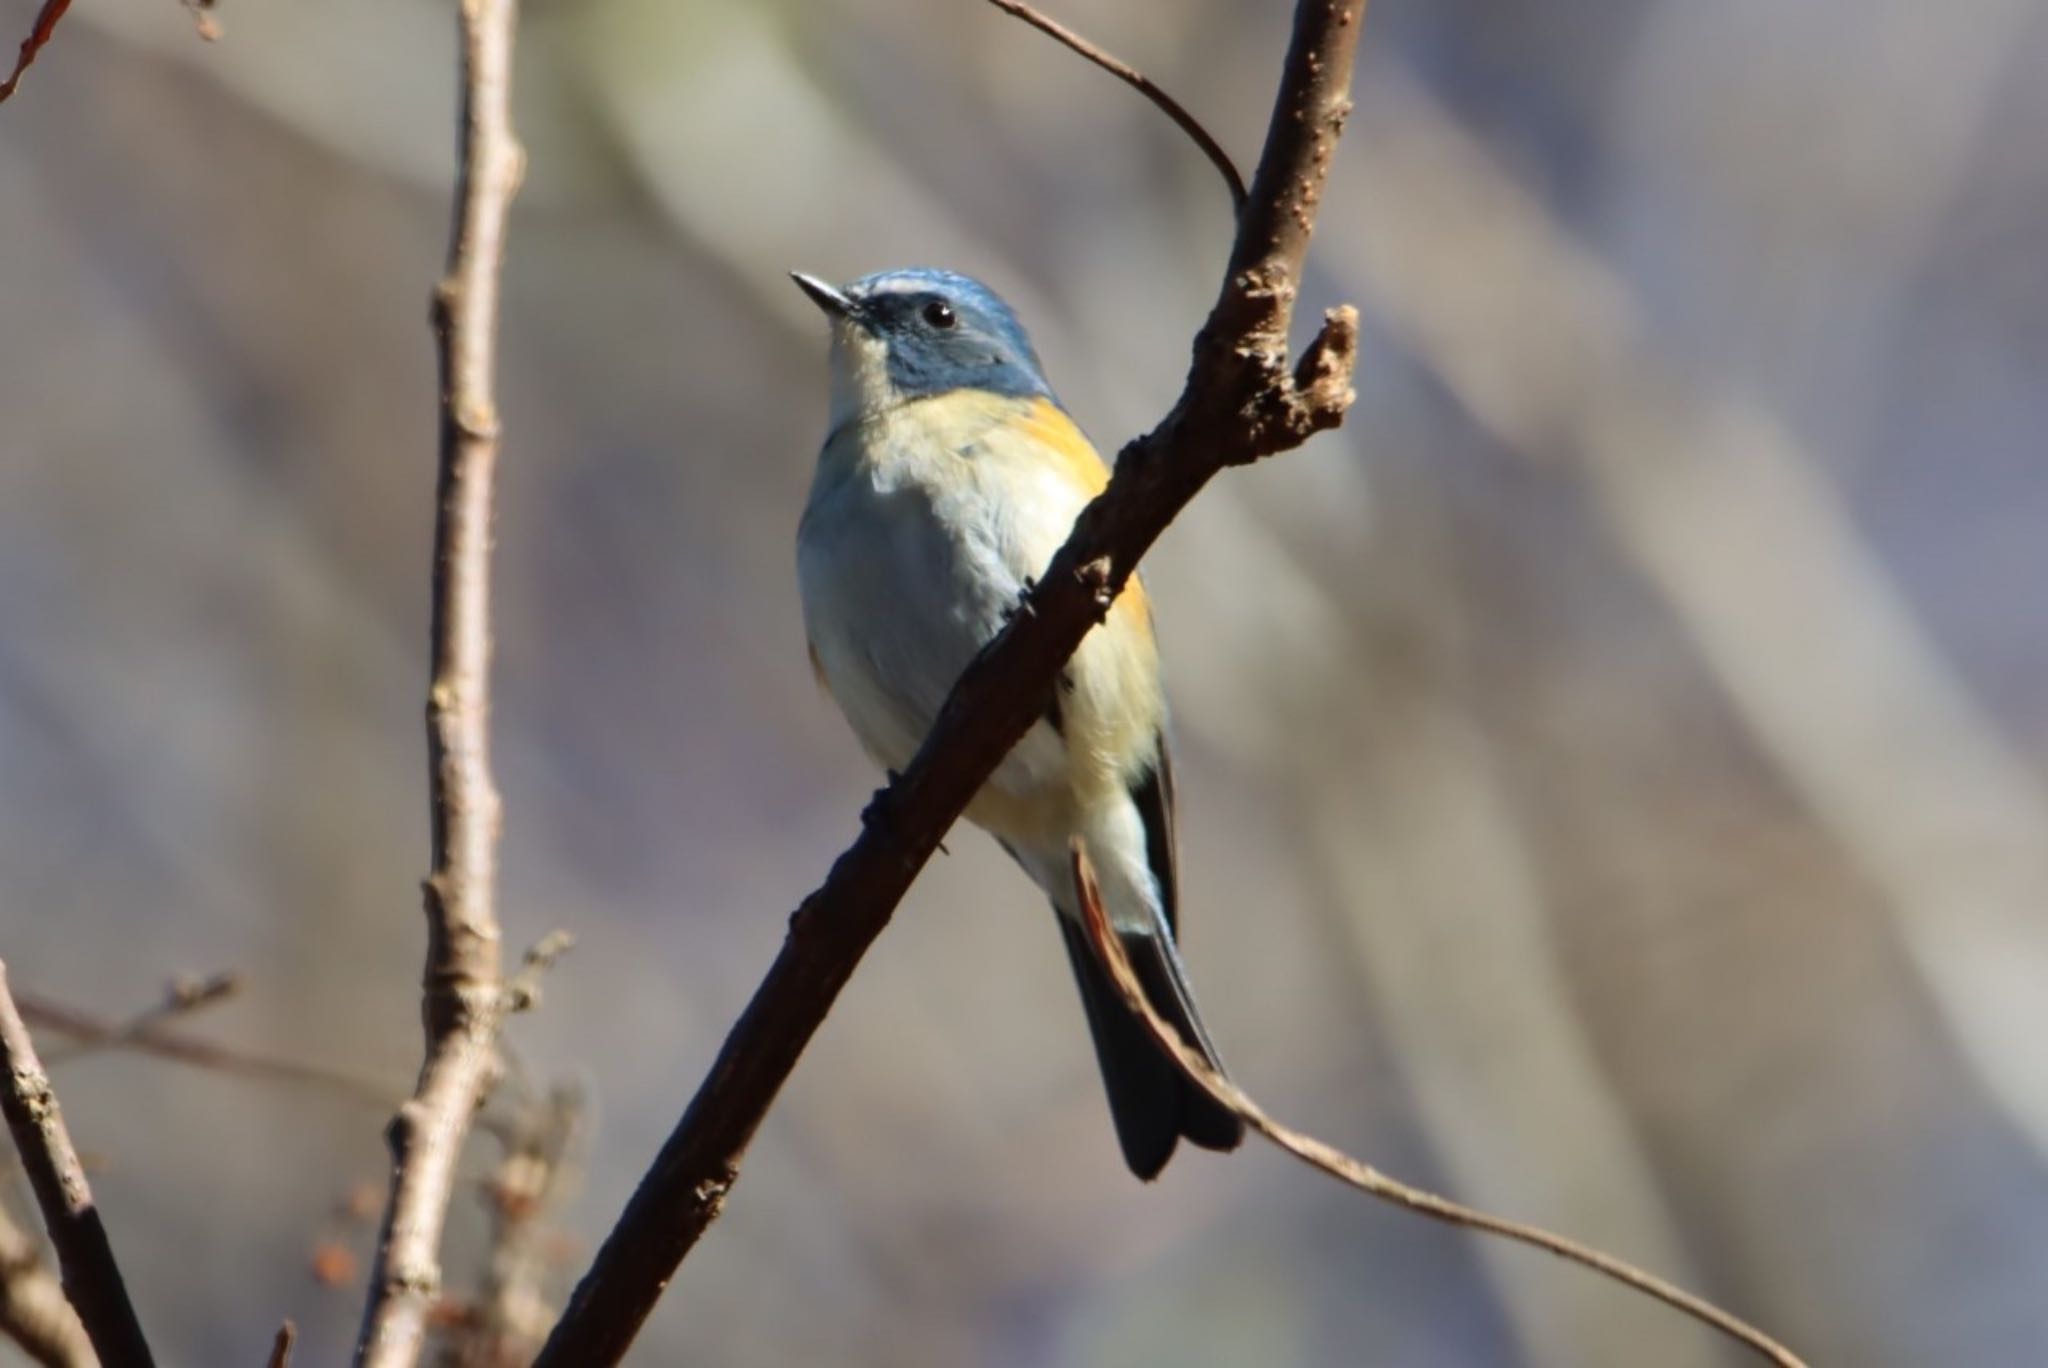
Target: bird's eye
{"type": "Point", "coordinates": [939, 314]}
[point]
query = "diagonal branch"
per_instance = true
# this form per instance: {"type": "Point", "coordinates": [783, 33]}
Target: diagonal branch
{"type": "Point", "coordinates": [92, 1280]}
{"type": "Point", "coordinates": [1370, 1180]}
{"type": "Point", "coordinates": [39, 33]}
{"type": "Point", "coordinates": [146, 1034]}
{"type": "Point", "coordinates": [463, 999]}
{"type": "Point", "coordinates": [1240, 403]}
{"type": "Point", "coordinates": [182, 998]}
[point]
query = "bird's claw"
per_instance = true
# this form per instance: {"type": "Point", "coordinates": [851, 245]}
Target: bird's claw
{"type": "Point", "coordinates": [1023, 603]}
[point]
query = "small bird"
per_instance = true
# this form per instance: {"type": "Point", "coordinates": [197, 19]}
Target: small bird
{"type": "Point", "coordinates": [949, 477]}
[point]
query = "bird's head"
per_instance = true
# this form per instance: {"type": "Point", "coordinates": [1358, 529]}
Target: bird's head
{"type": "Point", "coordinates": [918, 333]}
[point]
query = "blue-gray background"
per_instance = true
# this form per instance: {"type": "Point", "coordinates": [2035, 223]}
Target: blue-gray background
{"type": "Point", "coordinates": [1612, 767]}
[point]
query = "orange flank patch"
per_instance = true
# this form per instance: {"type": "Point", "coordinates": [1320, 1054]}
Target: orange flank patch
{"type": "Point", "coordinates": [1049, 426]}
{"type": "Point", "coordinates": [1059, 435]}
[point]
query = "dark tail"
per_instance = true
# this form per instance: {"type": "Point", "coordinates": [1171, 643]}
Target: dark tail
{"type": "Point", "coordinates": [1152, 1102]}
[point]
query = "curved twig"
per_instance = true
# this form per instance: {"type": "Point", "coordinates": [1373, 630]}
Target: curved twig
{"type": "Point", "coordinates": [1140, 82]}
{"type": "Point", "coordinates": [1241, 402]}
{"type": "Point", "coordinates": [1370, 1180]}
{"type": "Point", "coordinates": [85, 1257]}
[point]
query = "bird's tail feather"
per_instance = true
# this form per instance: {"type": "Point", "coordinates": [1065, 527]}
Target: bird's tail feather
{"type": "Point", "coordinates": [1152, 1102]}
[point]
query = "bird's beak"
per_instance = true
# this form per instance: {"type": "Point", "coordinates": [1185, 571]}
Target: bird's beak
{"type": "Point", "coordinates": [827, 297]}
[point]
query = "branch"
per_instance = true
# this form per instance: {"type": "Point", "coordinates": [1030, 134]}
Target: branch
{"type": "Point", "coordinates": [463, 1002]}
{"type": "Point", "coordinates": [44, 28]}
{"type": "Point", "coordinates": [1240, 403]}
{"type": "Point", "coordinates": [92, 1280]}
{"type": "Point", "coordinates": [33, 1311]}
{"type": "Point", "coordinates": [183, 997]}
{"type": "Point", "coordinates": [1365, 1177]}
{"type": "Point", "coordinates": [39, 33]}
{"type": "Point", "coordinates": [1140, 82]}
{"type": "Point", "coordinates": [145, 1034]}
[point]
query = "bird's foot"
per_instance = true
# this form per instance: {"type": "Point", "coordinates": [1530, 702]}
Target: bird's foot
{"type": "Point", "coordinates": [1023, 603]}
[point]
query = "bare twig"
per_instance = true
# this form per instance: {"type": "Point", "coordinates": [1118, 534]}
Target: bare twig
{"type": "Point", "coordinates": [1241, 402]}
{"type": "Point", "coordinates": [1139, 82]}
{"type": "Point", "coordinates": [183, 997]}
{"type": "Point", "coordinates": [463, 999]}
{"type": "Point", "coordinates": [179, 1047]}
{"type": "Point", "coordinates": [38, 34]}
{"type": "Point", "coordinates": [281, 1346]}
{"type": "Point", "coordinates": [92, 1280]}
{"type": "Point", "coordinates": [147, 1036]}
{"type": "Point", "coordinates": [1365, 1177]}
{"type": "Point", "coordinates": [33, 1310]}
{"type": "Point", "coordinates": [522, 990]}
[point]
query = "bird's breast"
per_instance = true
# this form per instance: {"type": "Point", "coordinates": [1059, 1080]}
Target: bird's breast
{"type": "Point", "coordinates": [922, 527]}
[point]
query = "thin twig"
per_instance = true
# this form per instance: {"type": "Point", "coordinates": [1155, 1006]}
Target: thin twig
{"type": "Point", "coordinates": [39, 33]}
{"type": "Point", "coordinates": [45, 27]}
{"type": "Point", "coordinates": [1241, 402]}
{"type": "Point", "coordinates": [522, 989]}
{"type": "Point", "coordinates": [281, 1346]}
{"type": "Point", "coordinates": [1365, 1177]}
{"type": "Point", "coordinates": [92, 1280]}
{"type": "Point", "coordinates": [33, 1310]}
{"type": "Point", "coordinates": [147, 1037]}
{"type": "Point", "coordinates": [1139, 82]}
{"type": "Point", "coordinates": [184, 997]}
{"type": "Point", "coordinates": [463, 1000]}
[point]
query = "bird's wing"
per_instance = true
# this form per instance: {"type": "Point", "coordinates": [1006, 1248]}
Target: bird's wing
{"type": "Point", "coordinates": [1153, 795]}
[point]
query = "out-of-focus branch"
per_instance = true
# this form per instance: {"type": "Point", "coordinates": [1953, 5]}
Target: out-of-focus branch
{"type": "Point", "coordinates": [512, 1315]}
{"type": "Point", "coordinates": [92, 1280]}
{"type": "Point", "coordinates": [281, 1345]}
{"type": "Point", "coordinates": [1140, 82]}
{"type": "Point", "coordinates": [33, 1310]}
{"type": "Point", "coordinates": [1365, 1177]}
{"type": "Point", "coordinates": [145, 1034]}
{"type": "Point", "coordinates": [1807, 632]}
{"type": "Point", "coordinates": [1241, 402]}
{"type": "Point", "coordinates": [183, 997]}
{"type": "Point", "coordinates": [463, 995]}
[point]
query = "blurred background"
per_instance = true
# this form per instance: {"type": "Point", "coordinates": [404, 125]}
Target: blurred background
{"type": "Point", "coordinates": [1612, 767]}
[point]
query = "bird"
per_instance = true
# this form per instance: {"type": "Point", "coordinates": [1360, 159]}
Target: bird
{"type": "Point", "coordinates": [949, 476]}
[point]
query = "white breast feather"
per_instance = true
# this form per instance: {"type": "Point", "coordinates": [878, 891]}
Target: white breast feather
{"type": "Point", "coordinates": [922, 524]}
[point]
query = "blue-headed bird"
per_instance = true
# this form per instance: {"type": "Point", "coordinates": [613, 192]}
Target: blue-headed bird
{"type": "Point", "coordinates": [949, 477]}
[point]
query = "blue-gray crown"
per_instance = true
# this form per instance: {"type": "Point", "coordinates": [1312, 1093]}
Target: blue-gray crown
{"type": "Point", "coordinates": [945, 332]}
